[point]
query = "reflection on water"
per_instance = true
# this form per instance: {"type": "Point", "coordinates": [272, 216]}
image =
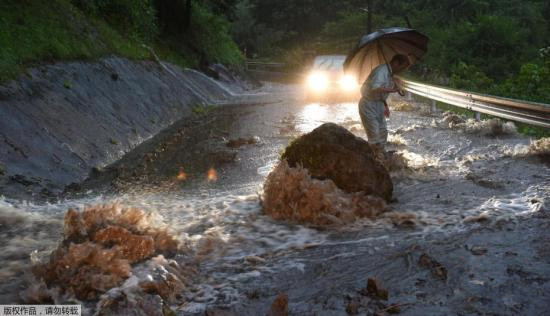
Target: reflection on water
{"type": "Point", "coordinates": [315, 114]}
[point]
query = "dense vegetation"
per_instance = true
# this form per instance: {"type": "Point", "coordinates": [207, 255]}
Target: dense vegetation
{"type": "Point", "coordinates": [34, 31]}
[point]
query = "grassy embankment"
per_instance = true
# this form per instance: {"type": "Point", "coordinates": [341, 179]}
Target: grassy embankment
{"type": "Point", "coordinates": [44, 31]}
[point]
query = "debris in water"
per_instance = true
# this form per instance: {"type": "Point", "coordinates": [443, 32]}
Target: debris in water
{"type": "Point", "coordinates": [438, 270]}
{"type": "Point", "coordinates": [483, 217]}
{"type": "Point", "coordinates": [236, 143]}
{"type": "Point", "coordinates": [292, 194]}
{"type": "Point", "coordinates": [254, 259]}
{"type": "Point", "coordinates": [478, 251]}
{"type": "Point", "coordinates": [279, 306]}
{"type": "Point", "coordinates": [375, 290]}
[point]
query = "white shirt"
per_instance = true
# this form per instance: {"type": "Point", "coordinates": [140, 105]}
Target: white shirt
{"type": "Point", "coordinates": [379, 77]}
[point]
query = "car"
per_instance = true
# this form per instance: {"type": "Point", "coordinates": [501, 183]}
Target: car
{"type": "Point", "coordinates": [326, 80]}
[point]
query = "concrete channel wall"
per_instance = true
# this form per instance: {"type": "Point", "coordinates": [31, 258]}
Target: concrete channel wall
{"type": "Point", "coordinates": [59, 121]}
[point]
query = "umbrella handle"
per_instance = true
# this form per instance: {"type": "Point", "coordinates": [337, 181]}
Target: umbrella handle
{"type": "Point", "coordinates": [384, 56]}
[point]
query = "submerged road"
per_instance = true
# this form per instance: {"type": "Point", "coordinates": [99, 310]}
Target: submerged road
{"type": "Point", "coordinates": [473, 237]}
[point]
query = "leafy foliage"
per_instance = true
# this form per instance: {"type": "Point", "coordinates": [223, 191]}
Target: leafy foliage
{"type": "Point", "coordinates": [136, 17]}
{"type": "Point", "coordinates": [532, 83]}
{"type": "Point", "coordinates": [468, 77]}
{"type": "Point", "coordinates": [211, 37]}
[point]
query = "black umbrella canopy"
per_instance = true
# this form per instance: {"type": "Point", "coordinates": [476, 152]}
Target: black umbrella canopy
{"type": "Point", "coordinates": [380, 46]}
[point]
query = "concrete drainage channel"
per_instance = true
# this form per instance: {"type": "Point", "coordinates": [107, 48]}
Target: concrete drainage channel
{"type": "Point", "coordinates": [61, 121]}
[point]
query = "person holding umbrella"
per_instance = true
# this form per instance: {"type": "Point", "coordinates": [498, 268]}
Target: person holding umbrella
{"type": "Point", "coordinates": [373, 107]}
{"type": "Point", "coordinates": [368, 62]}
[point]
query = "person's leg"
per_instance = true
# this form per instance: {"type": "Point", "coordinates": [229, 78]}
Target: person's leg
{"type": "Point", "coordinates": [368, 114]}
{"type": "Point", "coordinates": [372, 117]}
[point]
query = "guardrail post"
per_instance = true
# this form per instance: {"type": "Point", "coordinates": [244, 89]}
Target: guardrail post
{"type": "Point", "coordinates": [477, 116]}
{"type": "Point", "coordinates": [433, 108]}
{"type": "Point", "coordinates": [409, 96]}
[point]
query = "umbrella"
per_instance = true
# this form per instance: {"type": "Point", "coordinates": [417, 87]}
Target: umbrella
{"type": "Point", "coordinates": [380, 46]}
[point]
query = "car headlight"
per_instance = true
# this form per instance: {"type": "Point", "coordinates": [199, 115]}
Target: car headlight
{"type": "Point", "coordinates": [317, 81]}
{"type": "Point", "coordinates": [348, 83]}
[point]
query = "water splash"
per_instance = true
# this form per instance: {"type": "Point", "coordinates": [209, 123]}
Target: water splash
{"type": "Point", "coordinates": [291, 194]}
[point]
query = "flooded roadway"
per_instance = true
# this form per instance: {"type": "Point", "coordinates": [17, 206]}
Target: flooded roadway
{"type": "Point", "coordinates": [480, 200]}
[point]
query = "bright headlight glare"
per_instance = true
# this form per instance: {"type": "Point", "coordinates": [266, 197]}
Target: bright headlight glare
{"type": "Point", "coordinates": [317, 81]}
{"type": "Point", "coordinates": [348, 83]}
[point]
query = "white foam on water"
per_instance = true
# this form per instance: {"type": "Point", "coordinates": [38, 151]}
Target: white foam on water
{"type": "Point", "coordinates": [492, 127]}
{"type": "Point", "coordinates": [517, 204]}
{"type": "Point", "coordinates": [417, 161]}
{"type": "Point", "coordinates": [536, 147]}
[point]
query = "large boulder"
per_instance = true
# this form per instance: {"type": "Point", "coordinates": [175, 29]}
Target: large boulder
{"type": "Point", "coordinates": [332, 152]}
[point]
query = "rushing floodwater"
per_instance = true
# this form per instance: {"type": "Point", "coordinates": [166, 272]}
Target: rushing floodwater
{"type": "Point", "coordinates": [454, 174]}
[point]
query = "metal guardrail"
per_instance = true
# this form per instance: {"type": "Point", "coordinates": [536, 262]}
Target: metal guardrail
{"type": "Point", "coordinates": [259, 65]}
{"type": "Point", "coordinates": [516, 110]}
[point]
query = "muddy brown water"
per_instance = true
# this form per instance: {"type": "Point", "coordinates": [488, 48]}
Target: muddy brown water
{"type": "Point", "coordinates": [480, 200]}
